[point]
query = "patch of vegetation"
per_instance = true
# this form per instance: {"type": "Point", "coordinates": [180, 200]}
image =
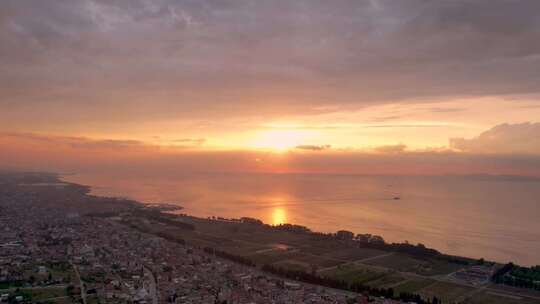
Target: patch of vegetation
{"type": "Point", "coordinates": [446, 291]}
{"type": "Point", "coordinates": [320, 261]}
{"type": "Point", "coordinates": [413, 286]}
{"type": "Point", "coordinates": [518, 276]}
{"type": "Point", "coordinates": [11, 284]}
{"type": "Point", "coordinates": [274, 256]}
{"type": "Point", "coordinates": [353, 274]}
{"type": "Point", "coordinates": [387, 280]}
{"type": "Point", "coordinates": [40, 294]}
{"type": "Point", "coordinates": [293, 265]}
{"type": "Point", "coordinates": [352, 254]}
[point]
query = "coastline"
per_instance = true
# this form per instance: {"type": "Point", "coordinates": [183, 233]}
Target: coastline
{"type": "Point", "coordinates": [459, 216]}
{"type": "Point", "coordinates": [174, 210]}
{"type": "Point", "coordinates": [436, 241]}
{"type": "Point", "coordinates": [291, 251]}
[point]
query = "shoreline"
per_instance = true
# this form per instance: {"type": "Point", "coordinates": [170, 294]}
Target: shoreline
{"type": "Point", "coordinates": [174, 209]}
{"type": "Point", "coordinates": [178, 209]}
{"type": "Point", "coordinates": [294, 252]}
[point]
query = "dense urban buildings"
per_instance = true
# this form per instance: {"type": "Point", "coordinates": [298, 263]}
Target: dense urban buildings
{"type": "Point", "coordinates": [51, 253]}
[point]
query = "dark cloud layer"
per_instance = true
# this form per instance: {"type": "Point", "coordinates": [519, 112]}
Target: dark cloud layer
{"type": "Point", "coordinates": [92, 60]}
{"type": "Point", "coordinates": [313, 147]}
{"type": "Point", "coordinates": [399, 148]}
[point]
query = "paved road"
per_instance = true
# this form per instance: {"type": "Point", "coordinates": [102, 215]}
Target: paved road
{"type": "Point", "coordinates": [81, 283]}
{"type": "Point", "coordinates": [153, 286]}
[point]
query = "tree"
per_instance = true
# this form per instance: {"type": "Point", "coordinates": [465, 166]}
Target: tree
{"type": "Point", "coordinates": [344, 235]}
{"type": "Point", "coordinates": [69, 289]}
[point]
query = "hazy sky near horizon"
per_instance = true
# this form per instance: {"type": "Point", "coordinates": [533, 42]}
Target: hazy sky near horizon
{"type": "Point", "coordinates": [322, 86]}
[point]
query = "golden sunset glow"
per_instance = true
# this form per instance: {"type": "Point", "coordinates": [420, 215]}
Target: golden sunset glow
{"type": "Point", "coordinates": [281, 140]}
{"type": "Point", "coordinates": [303, 91]}
{"type": "Point", "coordinates": [279, 216]}
{"type": "Point", "coordinates": [415, 119]}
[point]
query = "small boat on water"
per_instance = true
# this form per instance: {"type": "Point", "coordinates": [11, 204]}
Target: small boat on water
{"type": "Point", "coordinates": [397, 198]}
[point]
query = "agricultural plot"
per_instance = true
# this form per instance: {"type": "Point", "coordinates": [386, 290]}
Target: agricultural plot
{"type": "Point", "coordinates": [354, 274]}
{"type": "Point", "coordinates": [319, 261]}
{"type": "Point", "coordinates": [413, 285]}
{"type": "Point", "coordinates": [439, 267]}
{"type": "Point", "coordinates": [243, 249]}
{"type": "Point", "coordinates": [448, 292]}
{"type": "Point", "coordinates": [387, 281]}
{"type": "Point", "coordinates": [61, 271]}
{"type": "Point", "coordinates": [400, 262]}
{"type": "Point", "coordinates": [47, 293]}
{"type": "Point", "coordinates": [406, 263]}
{"type": "Point", "coordinates": [293, 265]}
{"type": "Point", "coordinates": [271, 257]}
{"type": "Point", "coordinates": [354, 254]}
{"type": "Point", "coordinates": [318, 250]}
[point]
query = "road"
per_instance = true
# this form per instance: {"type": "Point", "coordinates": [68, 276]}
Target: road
{"type": "Point", "coordinates": [153, 286]}
{"type": "Point", "coordinates": [81, 283]}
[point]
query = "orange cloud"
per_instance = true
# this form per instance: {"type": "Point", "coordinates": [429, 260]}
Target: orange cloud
{"type": "Point", "coordinates": [399, 148]}
{"type": "Point", "coordinates": [69, 154]}
{"type": "Point", "coordinates": [521, 138]}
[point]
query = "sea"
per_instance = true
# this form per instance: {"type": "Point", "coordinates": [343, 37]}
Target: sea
{"type": "Point", "coordinates": [491, 217]}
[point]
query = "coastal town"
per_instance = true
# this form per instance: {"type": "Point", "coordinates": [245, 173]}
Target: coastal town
{"type": "Point", "coordinates": [269, 152]}
{"type": "Point", "coordinates": [60, 245]}
{"type": "Point", "coordinates": [56, 255]}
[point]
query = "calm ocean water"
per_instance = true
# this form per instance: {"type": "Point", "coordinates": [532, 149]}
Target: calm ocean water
{"type": "Point", "coordinates": [496, 218]}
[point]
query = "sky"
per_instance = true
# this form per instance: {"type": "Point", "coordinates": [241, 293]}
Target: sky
{"type": "Point", "coordinates": [359, 87]}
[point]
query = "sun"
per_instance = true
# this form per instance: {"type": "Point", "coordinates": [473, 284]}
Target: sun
{"type": "Point", "coordinates": [280, 140]}
{"type": "Point", "coordinates": [279, 216]}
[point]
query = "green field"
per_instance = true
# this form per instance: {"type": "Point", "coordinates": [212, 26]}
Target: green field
{"type": "Point", "coordinates": [354, 254]}
{"type": "Point", "coordinates": [40, 294]}
{"type": "Point", "coordinates": [320, 262]}
{"type": "Point", "coordinates": [407, 263]}
{"type": "Point", "coordinates": [61, 271]}
{"type": "Point", "coordinates": [389, 280]}
{"type": "Point", "coordinates": [445, 291]}
{"type": "Point", "coordinates": [8, 285]}
{"type": "Point", "coordinates": [271, 257]}
{"type": "Point", "coordinates": [413, 285]}
{"type": "Point", "coordinates": [356, 274]}
{"type": "Point", "coordinates": [293, 265]}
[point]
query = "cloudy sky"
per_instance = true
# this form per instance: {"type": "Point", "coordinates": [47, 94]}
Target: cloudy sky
{"type": "Point", "coordinates": [335, 86]}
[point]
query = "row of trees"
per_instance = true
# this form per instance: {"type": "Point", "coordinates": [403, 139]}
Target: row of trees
{"type": "Point", "coordinates": [523, 277]}
{"type": "Point", "coordinates": [377, 242]}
